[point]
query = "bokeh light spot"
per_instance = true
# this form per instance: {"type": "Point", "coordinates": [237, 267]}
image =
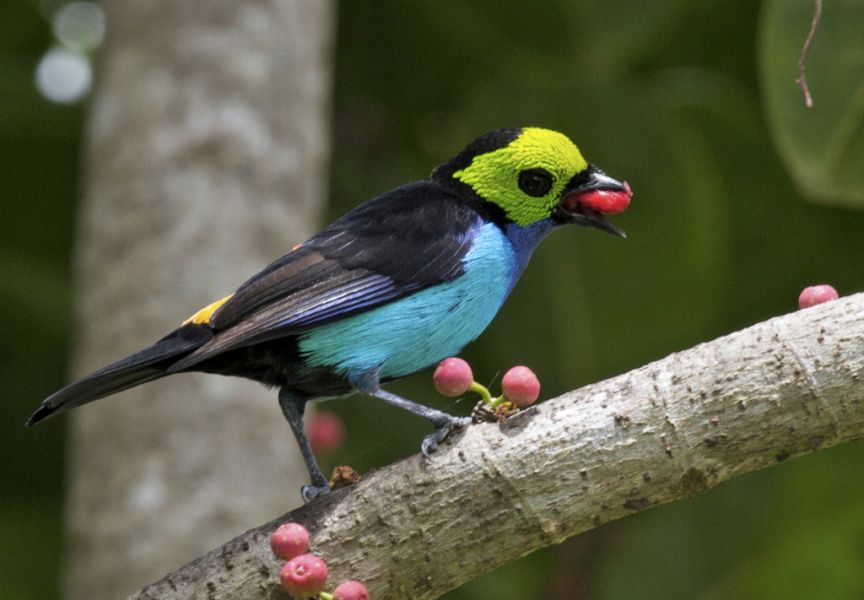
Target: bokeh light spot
{"type": "Point", "coordinates": [79, 25]}
{"type": "Point", "coordinates": [64, 76]}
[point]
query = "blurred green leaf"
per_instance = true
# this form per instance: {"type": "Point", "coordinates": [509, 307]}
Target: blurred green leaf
{"type": "Point", "coordinates": [40, 290]}
{"type": "Point", "coordinates": [806, 551]}
{"type": "Point", "coordinates": [823, 146]}
{"type": "Point", "coordinates": [30, 558]}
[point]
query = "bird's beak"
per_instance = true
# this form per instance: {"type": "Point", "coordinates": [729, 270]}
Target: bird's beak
{"type": "Point", "coordinates": [591, 195]}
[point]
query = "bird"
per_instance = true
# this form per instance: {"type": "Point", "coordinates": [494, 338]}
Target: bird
{"type": "Point", "coordinates": [391, 288]}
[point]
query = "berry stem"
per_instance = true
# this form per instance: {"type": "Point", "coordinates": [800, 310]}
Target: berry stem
{"type": "Point", "coordinates": [325, 596]}
{"type": "Point", "coordinates": [496, 402]}
{"type": "Point", "coordinates": [482, 390]}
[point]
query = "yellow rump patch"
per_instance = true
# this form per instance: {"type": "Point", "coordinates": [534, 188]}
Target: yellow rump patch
{"type": "Point", "coordinates": [202, 317]}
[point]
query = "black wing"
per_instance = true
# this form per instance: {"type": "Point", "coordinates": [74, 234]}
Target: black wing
{"type": "Point", "coordinates": [403, 241]}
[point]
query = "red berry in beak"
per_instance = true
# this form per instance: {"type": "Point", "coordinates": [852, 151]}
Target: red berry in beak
{"type": "Point", "coordinates": [606, 202]}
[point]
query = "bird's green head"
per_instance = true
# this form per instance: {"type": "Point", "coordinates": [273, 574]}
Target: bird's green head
{"type": "Point", "coordinates": [532, 174]}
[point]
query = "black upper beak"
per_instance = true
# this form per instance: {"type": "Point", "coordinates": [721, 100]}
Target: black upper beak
{"type": "Point", "coordinates": [589, 196]}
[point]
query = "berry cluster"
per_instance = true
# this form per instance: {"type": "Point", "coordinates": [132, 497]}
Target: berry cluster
{"type": "Point", "coordinates": [519, 388]}
{"type": "Point", "coordinates": [304, 575]}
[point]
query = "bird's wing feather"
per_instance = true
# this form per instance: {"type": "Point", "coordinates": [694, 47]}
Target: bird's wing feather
{"type": "Point", "coordinates": [392, 246]}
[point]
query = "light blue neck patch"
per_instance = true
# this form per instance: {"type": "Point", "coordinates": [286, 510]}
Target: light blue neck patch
{"type": "Point", "coordinates": [524, 241]}
{"type": "Point", "coordinates": [415, 332]}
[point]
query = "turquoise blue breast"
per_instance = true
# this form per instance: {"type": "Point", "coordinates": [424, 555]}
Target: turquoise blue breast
{"type": "Point", "coordinates": [413, 333]}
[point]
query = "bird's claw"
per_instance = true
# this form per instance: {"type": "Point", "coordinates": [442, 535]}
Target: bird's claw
{"type": "Point", "coordinates": [442, 430]}
{"type": "Point", "coordinates": [310, 492]}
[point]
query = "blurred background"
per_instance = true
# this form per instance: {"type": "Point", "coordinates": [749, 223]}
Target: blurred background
{"type": "Point", "coordinates": [742, 198]}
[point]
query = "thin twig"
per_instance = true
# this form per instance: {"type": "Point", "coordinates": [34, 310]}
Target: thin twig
{"type": "Point", "coordinates": [805, 51]}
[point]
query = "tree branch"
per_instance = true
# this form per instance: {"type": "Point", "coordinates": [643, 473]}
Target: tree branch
{"type": "Point", "coordinates": [668, 430]}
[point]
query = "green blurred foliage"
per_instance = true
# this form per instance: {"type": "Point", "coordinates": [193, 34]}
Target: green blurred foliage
{"type": "Point", "coordinates": [38, 180]}
{"type": "Point", "coordinates": [671, 96]}
{"type": "Point", "coordinates": [822, 146]}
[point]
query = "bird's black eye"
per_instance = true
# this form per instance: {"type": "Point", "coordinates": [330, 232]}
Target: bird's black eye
{"type": "Point", "coordinates": [535, 182]}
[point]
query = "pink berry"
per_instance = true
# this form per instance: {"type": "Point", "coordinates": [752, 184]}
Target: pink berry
{"type": "Point", "coordinates": [289, 540]}
{"type": "Point", "coordinates": [816, 294]}
{"type": "Point", "coordinates": [303, 576]}
{"type": "Point", "coordinates": [520, 386]}
{"type": "Point", "coordinates": [351, 590]}
{"type": "Point", "coordinates": [325, 432]}
{"type": "Point", "coordinates": [453, 377]}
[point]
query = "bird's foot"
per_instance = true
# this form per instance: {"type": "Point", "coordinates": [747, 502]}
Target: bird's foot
{"type": "Point", "coordinates": [310, 492]}
{"type": "Point", "coordinates": [443, 428]}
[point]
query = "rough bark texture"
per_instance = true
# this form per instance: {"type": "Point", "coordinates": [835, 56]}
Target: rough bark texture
{"type": "Point", "coordinates": [206, 152]}
{"type": "Point", "coordinates": [668, 430]}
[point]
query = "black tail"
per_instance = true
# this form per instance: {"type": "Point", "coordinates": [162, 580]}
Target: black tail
{"type": "Point", "coordinates": [147, 365]}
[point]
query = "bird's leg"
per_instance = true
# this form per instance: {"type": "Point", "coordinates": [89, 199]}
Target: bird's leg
{"type": "Point", "coordinates": [293, 407]}
{"type": "Point", "coordinates": [444, 423]}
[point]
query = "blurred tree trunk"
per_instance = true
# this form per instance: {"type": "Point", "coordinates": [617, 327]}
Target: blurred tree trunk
{"type": "Point", "coordinates": [206, 151]}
